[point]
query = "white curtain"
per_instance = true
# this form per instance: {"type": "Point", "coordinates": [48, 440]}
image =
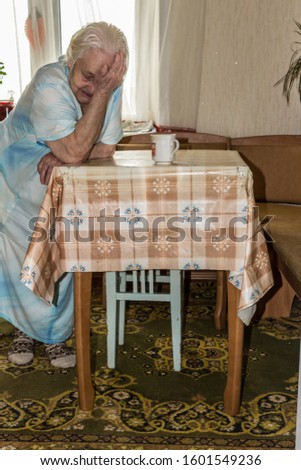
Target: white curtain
{"type": "Point", "coordinates": [147, 84]}
{"type": "Point", "coordinates": [181, 51]}
{"type": "Point", "coordinates": [43, 31]}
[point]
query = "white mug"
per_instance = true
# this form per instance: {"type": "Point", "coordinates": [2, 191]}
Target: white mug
{"type": "Point", "coordinates": [164, 147]}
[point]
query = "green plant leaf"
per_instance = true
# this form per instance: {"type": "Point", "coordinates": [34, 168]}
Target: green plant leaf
{"type": "Point", "coordinates": [293, 72]}
{"type": "Point", "coordinates": [2, 73]}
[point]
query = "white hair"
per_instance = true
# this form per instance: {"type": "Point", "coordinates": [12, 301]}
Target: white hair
{"type": "Point", "coordinates": [100, 35]}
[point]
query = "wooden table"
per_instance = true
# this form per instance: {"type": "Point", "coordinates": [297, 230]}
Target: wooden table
{"type": "Point", "coordinates": [127, 213]}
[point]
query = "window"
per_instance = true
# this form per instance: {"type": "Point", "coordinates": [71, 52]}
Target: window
{"type": "Point", "coordinates": [14, 48]}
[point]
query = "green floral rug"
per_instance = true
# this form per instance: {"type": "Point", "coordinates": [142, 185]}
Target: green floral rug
{"type": "Point", "coordinates": [144, 404]}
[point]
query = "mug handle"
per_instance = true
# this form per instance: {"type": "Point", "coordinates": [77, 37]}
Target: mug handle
{"type": "Point", "coordinates": [176, 147]}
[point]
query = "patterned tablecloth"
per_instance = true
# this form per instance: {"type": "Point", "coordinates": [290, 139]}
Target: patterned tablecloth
{"type": "Point", "coordinates": [127, 213]}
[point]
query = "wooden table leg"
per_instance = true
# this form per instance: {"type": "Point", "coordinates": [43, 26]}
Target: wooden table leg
{"type": "Point", "coordinates": [82, 300]}
{"type": "Point", "coordinates": [220, 314]}
{"type": "Point", "coordinates": [232, 394]}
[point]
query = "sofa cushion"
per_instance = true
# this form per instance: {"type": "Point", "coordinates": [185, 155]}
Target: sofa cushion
{"type": "Point", "coordinates": [276, 171]}
{"type": "Point", "coordinates": [285, 230]}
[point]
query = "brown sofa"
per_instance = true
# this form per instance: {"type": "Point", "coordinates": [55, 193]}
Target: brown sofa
{"type": "Point", "coordinates": [276, 165]}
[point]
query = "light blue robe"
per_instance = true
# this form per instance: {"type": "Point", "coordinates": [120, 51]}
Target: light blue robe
{"type": "Point", "coordinates": [47, 110]}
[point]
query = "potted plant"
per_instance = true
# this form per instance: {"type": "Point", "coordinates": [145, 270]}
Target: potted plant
{"type": "Point", "coordinates": [294, 70]}
{"type": "Point", "coordinates": [2, 73]}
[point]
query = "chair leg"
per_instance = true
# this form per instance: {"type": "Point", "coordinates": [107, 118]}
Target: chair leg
{"type": "Point", "coordinates": [220, 313]}
{"type": "Point", "coordinates": [121, 310]}
{"type": "Point", "coordinates": [176, 316]}
{"type": "Point", "coordinates": [82, 298]}
{"type": "Point", "coordinates": [111, 285]}
{"type": "Point", "coordinates": [232, 394]}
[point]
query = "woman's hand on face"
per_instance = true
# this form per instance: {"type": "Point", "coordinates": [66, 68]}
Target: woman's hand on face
{"type": "Point", "coordinates": [110, 78]}
{"type": "Point", "coordinates": [46, 165]}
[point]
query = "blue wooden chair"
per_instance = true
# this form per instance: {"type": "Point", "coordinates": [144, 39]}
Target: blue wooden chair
{"type": "Point", "coordinates": [140, 286]}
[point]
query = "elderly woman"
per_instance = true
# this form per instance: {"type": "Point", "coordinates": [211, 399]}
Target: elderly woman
{"type": "Point", "coordinates": [70, 112]}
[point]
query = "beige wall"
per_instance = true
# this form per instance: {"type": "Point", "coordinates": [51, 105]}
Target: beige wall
{"type": "Point", "coordinates": [224, 83]}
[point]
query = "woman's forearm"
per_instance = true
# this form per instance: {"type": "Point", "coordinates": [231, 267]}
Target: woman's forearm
{"type": "Point", "coordinates": [76, 147]}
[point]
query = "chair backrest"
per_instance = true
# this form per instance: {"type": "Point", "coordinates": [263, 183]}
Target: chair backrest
{"type": "Point", "coordinates": [188, 140]}
{"type": "Point", "coordinates": [145, 281]}
{"type": "Point", "coordinates": [198, 140]}
{"type": "Point", "coordinates": [275, 161]}
{"type": "Point", "coordinates": [135, 142]}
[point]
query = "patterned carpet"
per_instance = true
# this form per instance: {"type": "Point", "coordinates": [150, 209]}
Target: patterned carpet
{"type": "Point", "coordinates": [144, 404]}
